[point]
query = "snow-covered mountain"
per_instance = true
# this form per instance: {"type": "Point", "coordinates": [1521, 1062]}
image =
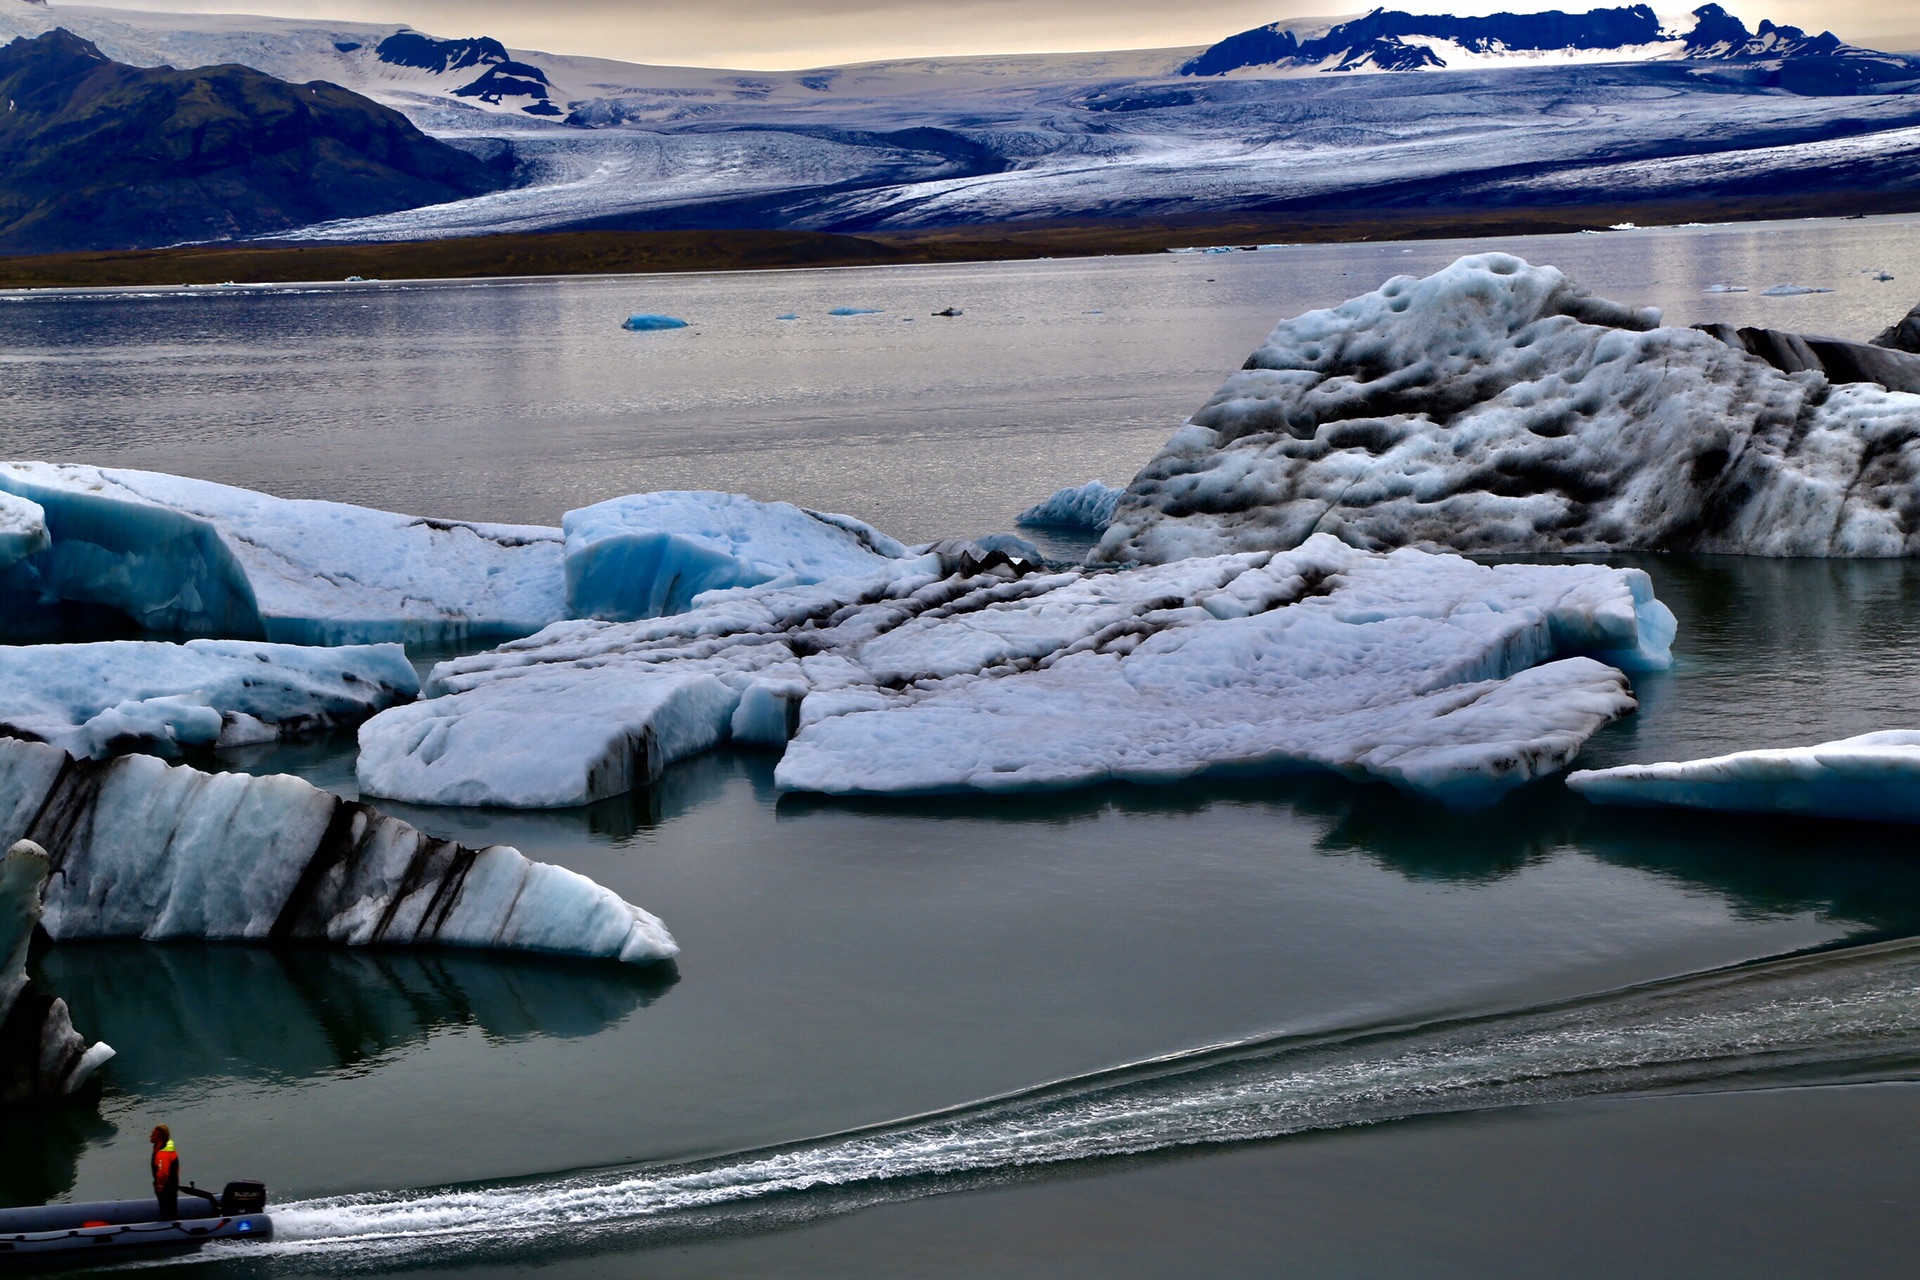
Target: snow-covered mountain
{"type": "Point", "coordinates": [1609, 106]}
{"type": "Point", "coordinates": [1388, 40]}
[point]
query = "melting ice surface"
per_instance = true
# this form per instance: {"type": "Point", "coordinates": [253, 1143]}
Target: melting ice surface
{"type": "Point", "coordinates": [1449, 678]}
{"type": "Point", "coordinates": [1872, 777]}
{"type": "Point", "coordinates": [90, 699]}
{"type": "Point", "coordinates": [1801, 1018]}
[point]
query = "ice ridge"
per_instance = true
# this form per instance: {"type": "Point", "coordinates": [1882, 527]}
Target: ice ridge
{"type": "Point", "coordinates": [94, 699]}
{"type": "Point", "coordinates": [1874, 777]}
{"type": "Point", "coordinates": [150, 850]}
{"type": "Point", "coordinates": [1451, 679]}
{"type": "Point", "coordinates": [1498, 407]}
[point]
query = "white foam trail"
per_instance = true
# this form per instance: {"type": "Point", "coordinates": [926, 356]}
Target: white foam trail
{"type": "Point", "coordinates": [1853, 1008]}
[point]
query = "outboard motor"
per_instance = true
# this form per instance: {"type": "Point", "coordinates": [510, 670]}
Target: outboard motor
{"type": "Point", "coordinates": [243, 1198]}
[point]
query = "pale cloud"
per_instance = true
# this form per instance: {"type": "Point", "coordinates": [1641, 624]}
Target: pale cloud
{"type": "Point", "coordinates": [779, 34]}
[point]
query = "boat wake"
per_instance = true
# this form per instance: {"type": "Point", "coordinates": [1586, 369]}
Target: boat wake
{"type": "Point", "coordinates": [1846, 1014]}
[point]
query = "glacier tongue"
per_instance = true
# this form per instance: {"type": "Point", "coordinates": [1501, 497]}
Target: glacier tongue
{"type": "Point", "coordinates": [650, 554]}
{"type": "Point", "coordinates": [41, 1056]}
{"type": "Point", "coordinates": [151, 850]}
{"type": "Point", "coordinates": [1874, 777]}
{"type": "Point", "coordinates": [93, 699]}
{"type": "Point", "coordinates": [1449, 678]}
{"type": "Point", "coordinates": [181, 555]}
{"type": "Point", "coordinates": [1497, 406]}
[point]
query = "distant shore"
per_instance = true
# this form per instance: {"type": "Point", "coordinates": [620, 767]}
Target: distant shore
{"type": "Point", "coordinates": [629, 252]}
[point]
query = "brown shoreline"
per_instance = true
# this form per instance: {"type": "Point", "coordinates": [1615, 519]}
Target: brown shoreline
{"type": "Point", "coordinates": [625, 252]}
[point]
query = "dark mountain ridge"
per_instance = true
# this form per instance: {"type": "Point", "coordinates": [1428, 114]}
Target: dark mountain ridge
{"type": "Point", "coordinates": [1386, 40]}
{"type": "Point", "coordinates": [95, 154]}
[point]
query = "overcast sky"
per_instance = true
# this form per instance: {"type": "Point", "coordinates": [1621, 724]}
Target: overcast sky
{"type": "Point", "coordinates": [780, 34]}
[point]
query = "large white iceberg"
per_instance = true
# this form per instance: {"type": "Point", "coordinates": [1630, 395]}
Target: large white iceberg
{"type": "Point", "coordinates": [1875, 777]}
{"type": "Point", "coordinates": [1497, 406]}
{"type": "Point", "coordinates": [23, 529]}
{"type": "Point", "coordinates": [650, 554]}
{"type": "Point", "coordinates": [181, 555]}
{"type": "Point", "coordinates": [93, 699]}
{"type": "Point", "coordinates": [151, 850]}
{"type": "Point", "coordinates": [41, 1056]}
{"type": "Point", "coordinates": [1450, 678]}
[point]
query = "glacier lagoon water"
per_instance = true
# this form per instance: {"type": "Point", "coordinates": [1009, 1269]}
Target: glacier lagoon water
{"type": "Point", "coordinates": [855, 965]}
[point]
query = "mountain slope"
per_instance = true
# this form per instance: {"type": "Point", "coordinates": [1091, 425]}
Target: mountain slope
{"type": "Point", "coordinates": [95, 154]}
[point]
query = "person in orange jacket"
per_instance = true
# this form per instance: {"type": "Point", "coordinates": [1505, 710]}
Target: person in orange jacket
{"type": "Point", "coordinates": [166, 1172]}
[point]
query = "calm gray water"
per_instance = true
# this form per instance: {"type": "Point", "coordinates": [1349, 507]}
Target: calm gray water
{"type": "Point", "coordinates": [854, 965]}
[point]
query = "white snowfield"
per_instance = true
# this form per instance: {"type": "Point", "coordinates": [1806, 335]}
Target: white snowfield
{"type": "Point", "coordinates": [176, 554]}
{"type": "Point", "coordinates": [650, 554]}
{"type": "Point", "coordinates": [23, 529]}
{"type": "Point", "coordinates": [1498, 407]}
{"type": "Point", "coordinates": [45, 1058]}
{"type": "Point", "coordinates": [1874, 777]}
{"type": "Point", "coordinates": [150, 850]}
{"type": "Point", "coordinates": [1088, 506]}
{"type": "Point", "coordinates": [1449, 678]}
{"type": "Point", "coordinates": [94, 699]}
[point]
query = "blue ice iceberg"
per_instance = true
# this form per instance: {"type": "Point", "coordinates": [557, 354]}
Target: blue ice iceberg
{"type": "Point", "coordinates": [1089, 506]}
{"type": "Point", "coordinates": [650, 554]}
{"type": "Point", "coordinates": [648, 322]}
{"type": "Point", "coordinates": [1874, 777]}
{"type": "Point", "coordinates": [176, 555]}
{"type": "Point", "coordinates": [94, 699]}
{"type": "Point", "coordinates": [857, 311]}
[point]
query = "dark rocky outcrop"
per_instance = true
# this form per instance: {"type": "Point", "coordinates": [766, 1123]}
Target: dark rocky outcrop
{"type": "Point", "coordinates": [1903, 335]}
{"type": "Point", "coordinates": [98, 155]}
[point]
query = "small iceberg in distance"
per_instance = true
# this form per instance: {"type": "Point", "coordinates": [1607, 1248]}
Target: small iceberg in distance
{"type": "Point", "coordinates": [1725, 288]}
{"type": "Point", "coordinates": [1872, 778]}
{"type": "Point", "coordinates": [789, 316]}
{"type": "Point", "coordinates": [1089, 506]}
{"type": "Point", "coordinates": [1791, 291]}
{"type": "Point", "coordinates": [857, 311]}
{"type": "Point", "coordinates": [648, 322]}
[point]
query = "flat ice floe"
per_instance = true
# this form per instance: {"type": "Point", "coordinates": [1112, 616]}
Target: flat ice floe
{"type": "Point", "coordinates": [150, 850]}
{"type": "Point", "coordinates": [94, 699]}
{"type": "Point", "coordinates": [181, 555]}
{"type": "Point", "coordinates": [1497, 406]}
{"type": "Point", "coordinates": [651, 553]}
{"type": "Point", "coordinates": [1446, 677]}
{"type": "Point", "coordinates": [41, 1057]}
{"type": "Point", "coordinates": [1874, 777]}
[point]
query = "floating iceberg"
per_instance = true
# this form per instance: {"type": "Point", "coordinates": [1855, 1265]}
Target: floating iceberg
{"type": "Point", "coordinates": [857, 311]}
{"type": "Point", "coordinates": [179, 555]}
{"type": "Point", "coordinates": [1450, 678]}
{"type": "Point", "coordinates": [1874, 777]}
{"type": "Point", "coordinates": [648, 322]}
{"type": "Point", "coordinates": [1791, 291]}
{"type": "Point", "coordinates": [650, 554]}
{"type": "Point", "coordinates": [94, 699]}
{"type": "Point", "coordinates": [151, 850]}
{"type": "Point", "coordinates": [23, 529]}
{"type": "Point", "coordinates": [1497, 407]}
{"type": "Point", "coordinates": [41, 1056]}
{"type": "Point", "coordinates": [1088, 506]}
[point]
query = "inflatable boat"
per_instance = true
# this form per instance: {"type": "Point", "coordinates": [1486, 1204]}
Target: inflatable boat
{"type": "Point", "coordinates": [107, 1229]}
